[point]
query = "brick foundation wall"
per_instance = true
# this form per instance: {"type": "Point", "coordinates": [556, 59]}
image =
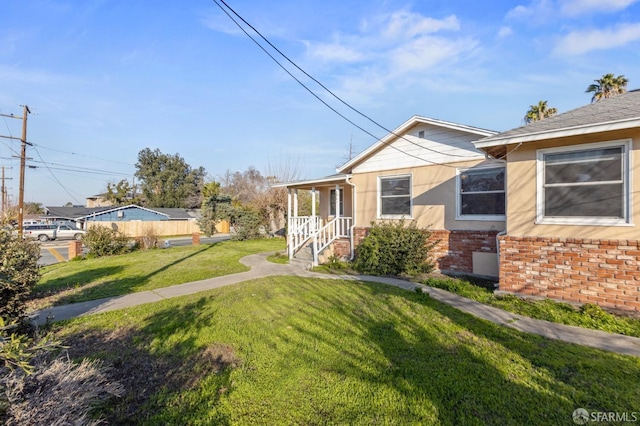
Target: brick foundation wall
{"type": "Point", "coordinates": [342, 248]}
{"type": "Point", "coordinates": [604, 272]}
{"type": "Point", "coordinates": [454, 251]}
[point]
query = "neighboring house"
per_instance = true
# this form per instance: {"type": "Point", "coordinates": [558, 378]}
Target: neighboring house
{"type": "Point", "coordinates": [99, 200]}
{"type": "Point", "coordinates": [133, 220]}
{"type": "Point", "coordinates": [573, 215]}
{"type": "Point", "coordinates": [425, 170]}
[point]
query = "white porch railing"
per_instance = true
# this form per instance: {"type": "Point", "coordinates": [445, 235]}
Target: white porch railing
{"type": "Point", "coordinates": [340, 227]}
{"type": "Point", "coordinates": [301, 229]}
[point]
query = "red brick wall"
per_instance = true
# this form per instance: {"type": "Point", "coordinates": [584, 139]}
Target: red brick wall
{"type": "Point", "coordinates": [605, 272]}
{"type": "Point", "coordinates": [454, 251]}
{"type": "Point", "coordinates": [342, 248]}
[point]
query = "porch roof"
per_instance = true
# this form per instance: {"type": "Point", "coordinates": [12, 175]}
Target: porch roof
{"type": "Point", "coordinates": [310, 183]}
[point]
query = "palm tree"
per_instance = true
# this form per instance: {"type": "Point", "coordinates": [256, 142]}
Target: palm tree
{"type": "Point", "coordinates": [539, 112]}
{"type": "Point", "coordinates": [607, 86]}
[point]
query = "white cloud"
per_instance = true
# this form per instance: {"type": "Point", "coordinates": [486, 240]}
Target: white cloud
{"type": "Point", "coordinates": [405, 24]}
{"type": "Point", "coordinates": [581, 7]}
{"type": "Point", "coordinates": [537, 11]}
{"type": "Point", "coordinates": [505, 32]}
{"type": "Point", "coordinates": [546, 10]}
{"type": "Point", "coordinates": [580, 42]}
{"type": "Point", "coordinates": [391, 50]}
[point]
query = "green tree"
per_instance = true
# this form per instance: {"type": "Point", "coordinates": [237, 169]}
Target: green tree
{"type": "Point", "coordinates": [168, 181]}
{"type": "Point", "coordinates": [607, 86]}
{"type": "Point", "coordinates": [121, 193]}
{"type": "Point", "coordinates": [540, 111]}
{"type": "Point", "coordinates": [32, 207]}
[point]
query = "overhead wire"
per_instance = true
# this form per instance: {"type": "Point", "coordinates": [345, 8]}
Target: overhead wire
{"type": "Point", "coordinates": [82, 155]}
{"type": "Point", "coordinates": [311, 91]}
{"type": "Point", "coordinates": [54, 176]}
{"type": "Point", "coordinates": [328, 90]}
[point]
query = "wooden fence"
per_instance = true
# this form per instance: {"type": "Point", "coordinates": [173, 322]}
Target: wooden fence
{"type": "Point", "coordinates": [139, 228]}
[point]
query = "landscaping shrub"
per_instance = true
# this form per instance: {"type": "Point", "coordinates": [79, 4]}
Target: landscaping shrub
{"type": "Point", "coordinates": [19, 273]}
{"type": "Point", "coordinates": [150, 239]}
{"type": "Point", "coordinates": [103, 241]}
{"type": "Point", "coordinates": [247, 223]}
{"type": "Point", "coordinates": [394, 249]}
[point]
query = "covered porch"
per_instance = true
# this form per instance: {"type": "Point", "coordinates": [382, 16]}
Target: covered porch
{"type": "Point", "coordinates": [316, 221]}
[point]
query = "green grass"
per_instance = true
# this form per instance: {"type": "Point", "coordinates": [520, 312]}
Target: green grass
{"type": "Point", "coordinates": [279, 258]}
{"type": "Point", "coordinates": [96, 278]}
{"type": "Point", "coordinates": [588, 316]}
{"type": "Point", "coordinates": [291, 350]}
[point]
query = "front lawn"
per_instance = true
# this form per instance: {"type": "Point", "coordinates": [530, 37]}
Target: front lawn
{"type": "Point", "coordinates": [587, 316]}
{"type": "Point", "coordinates": [291, 350]}
{"type": "Point", "coordinates": [92, 279]}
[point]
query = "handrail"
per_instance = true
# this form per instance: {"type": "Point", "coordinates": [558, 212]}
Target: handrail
{"type": "Point", "coordinates": [301, 229]}
{"type": "Point", "coordinates": [338, 228]}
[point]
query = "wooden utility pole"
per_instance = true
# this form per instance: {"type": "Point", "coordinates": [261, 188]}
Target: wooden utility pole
{"type": "Point", "coordinates": [23, 160]}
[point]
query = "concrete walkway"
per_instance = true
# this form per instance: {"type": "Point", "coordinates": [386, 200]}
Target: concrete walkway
{"type": "Point", "coordinates": [260, 268]}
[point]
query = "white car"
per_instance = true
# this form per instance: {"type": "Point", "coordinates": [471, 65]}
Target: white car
{"type": "Point", "coordinates": [68, 232]}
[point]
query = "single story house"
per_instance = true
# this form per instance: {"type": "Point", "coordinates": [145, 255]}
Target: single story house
{"type": "Point", "coordinates": [573, 213]}
{"type": "Point", "coordinates": [132, 219]}
{"type": "Point", "coordinates": [426, 170]}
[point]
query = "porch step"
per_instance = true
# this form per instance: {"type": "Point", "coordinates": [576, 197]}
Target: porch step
{"type": "Point", "coordinates": [305, 253]}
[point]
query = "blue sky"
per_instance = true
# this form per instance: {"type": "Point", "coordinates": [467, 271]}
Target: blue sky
{"type": "Point", "coordinates": [108, 78]}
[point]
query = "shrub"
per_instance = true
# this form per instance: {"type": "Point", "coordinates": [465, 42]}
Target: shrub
{"type": "Point", "coordinates": [247, 223]}
{"type": "Point", "coordinates": [395, 249]}
{"type": "Point", "coordinates": [19, 273]}
{"type": "Point", "coordinates": [150, 239]}
{"type": "Point", "coordinates": [103, 241]}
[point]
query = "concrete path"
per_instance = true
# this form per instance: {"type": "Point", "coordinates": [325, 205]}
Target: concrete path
{"type": "Point", "coordinates": [260, 268]}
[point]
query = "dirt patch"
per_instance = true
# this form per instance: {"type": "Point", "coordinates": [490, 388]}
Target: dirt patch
{"type": "Point", "coordinates": [143, 374]}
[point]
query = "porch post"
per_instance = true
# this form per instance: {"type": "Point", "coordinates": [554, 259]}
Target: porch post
{"type": "Point", "coordinates": [313, 201]}
{"type": "Point", "coordinates": [289, 225]}
{"type": "Point", "coordinates": [295, 203]}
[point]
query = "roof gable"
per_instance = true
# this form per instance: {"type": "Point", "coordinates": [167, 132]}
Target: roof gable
{"type": "Point", "coordinates": [442, 142]}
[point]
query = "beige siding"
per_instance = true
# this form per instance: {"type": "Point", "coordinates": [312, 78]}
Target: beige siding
{"type": "Point", "coordinates": [434, 195]}
{"type": "Point", "coordinates": [522, 190]}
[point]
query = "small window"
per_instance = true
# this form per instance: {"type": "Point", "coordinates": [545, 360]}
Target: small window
{"type": "Point", "coordinates": [395, 196]}
{"type": "Point", "coordinates": [421, 134]}
{"type": "Point", "coordinates": [332, 202]}
{"type": "Point", "coordinates": [481, 193]}
{"type": "Point", "coordinates": [584, 184]}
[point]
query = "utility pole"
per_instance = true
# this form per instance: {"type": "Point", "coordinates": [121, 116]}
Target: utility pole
{"type": "Point", "coordinates": [23, 159]}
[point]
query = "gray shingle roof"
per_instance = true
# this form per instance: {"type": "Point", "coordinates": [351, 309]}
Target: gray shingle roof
{"type": "Point", "coordinates": [622, 111]}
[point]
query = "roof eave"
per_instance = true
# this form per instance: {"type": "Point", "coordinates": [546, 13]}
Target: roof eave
{"type": "Point", "coordinates": [560, 133]}
{"type": "Point", "coordinates": [328, 179]}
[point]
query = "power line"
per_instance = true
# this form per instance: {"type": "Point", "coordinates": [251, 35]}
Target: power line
{"type": "Point", "coordinates": [55, 178]}
{"type": "Point", "coordinates": [327, 89]}
{"type": "Point", "coordinates": [82, 169]}
{"type": "Point", "coordinates": [83, 155]}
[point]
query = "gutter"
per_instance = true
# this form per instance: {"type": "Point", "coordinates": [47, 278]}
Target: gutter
{"type": "Point", "coordinates": [353, 207]}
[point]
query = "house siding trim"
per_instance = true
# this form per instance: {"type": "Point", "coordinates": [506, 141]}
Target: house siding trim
{"type": "Point", "coordinates": [604, 272]}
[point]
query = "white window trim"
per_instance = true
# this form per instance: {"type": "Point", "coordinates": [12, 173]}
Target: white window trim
{"type": "Point", "coordinates": [585, 220]}
{"type": "Point", "coordinates": [486, 218]}
{"type": "Point", "coordinates": [379, 214]}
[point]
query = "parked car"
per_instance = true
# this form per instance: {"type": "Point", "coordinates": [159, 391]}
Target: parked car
{"type": "Point", "coordinates": [69, 232]}
{"type": "Point", "coordinates": [40, 232]}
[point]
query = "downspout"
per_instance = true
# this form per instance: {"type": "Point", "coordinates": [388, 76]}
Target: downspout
{"type": "Point", "coordinates": [353, 211]}
{"type": "Point", "coordinates": [498, 235]}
